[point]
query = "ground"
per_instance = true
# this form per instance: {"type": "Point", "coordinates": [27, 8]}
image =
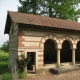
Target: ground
{"type": "Point", "coordinates": [0, 77]}
{"type": "Point", "coordinates": [74, 75]}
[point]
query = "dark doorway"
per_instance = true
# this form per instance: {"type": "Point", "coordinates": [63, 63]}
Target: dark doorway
{"type": "Point", "coordinates": [66, 52]}
{"type": "Point", "coordinates": [77, 54]}
{"type": "Point", "coordinates": [32, 62]}
{"type": "Point", "coordinates": [49, 52]}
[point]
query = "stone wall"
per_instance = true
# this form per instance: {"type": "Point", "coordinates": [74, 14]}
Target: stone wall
{"type": "Point", "coordinates": [33, 41]}
{"type": "Point", "coordinates": [13, 44]}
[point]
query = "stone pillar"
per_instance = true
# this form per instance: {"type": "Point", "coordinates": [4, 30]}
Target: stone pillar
{"type": "Point", "coordinates": [73, 47]}
{"type": "Point", "coordinates": [58, 47]}
{"type": "Point", "coordinates": [58, 57]}
{"type": "Point", "coordinates": [36, 60]}
{"type": "Point", "coordinates": [39, 62]}
{"type": "Point", "coordinates": [73, 56]}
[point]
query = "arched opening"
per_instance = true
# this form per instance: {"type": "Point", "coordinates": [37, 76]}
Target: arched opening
{"type": "Point", "coordinates": [49, 52]}
{"type": "Point", "coordinates": [66, 52]}
{"type": "Point", "coordinates": [77, 54]}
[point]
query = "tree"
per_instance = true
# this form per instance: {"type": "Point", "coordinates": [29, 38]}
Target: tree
{"type": "Point", "coordinates": [5, 46]}
{"type": "Point", "coordinates": [63, 9]}
{"type": "Point", "coordinates": [29, 6]}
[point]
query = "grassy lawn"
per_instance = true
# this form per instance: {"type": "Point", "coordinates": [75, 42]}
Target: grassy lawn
{"type": "Point", "coordinates": [3, 62]}
{"type": "Point", "coordinates": [5, 73]}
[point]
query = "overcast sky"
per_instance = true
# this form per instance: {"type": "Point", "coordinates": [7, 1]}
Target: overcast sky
{"type": "Point", "coordinates": [6, 5]}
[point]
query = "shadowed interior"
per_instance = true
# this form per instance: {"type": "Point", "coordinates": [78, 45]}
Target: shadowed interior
{"type": "Point", "coordinates": [49, 52]}
{"type": "Point", "coordinates": [77, 54]}
{"type": "Point", "coordinates": [32, 62]}
{"type": "Point", "coordinates": [66, 52]}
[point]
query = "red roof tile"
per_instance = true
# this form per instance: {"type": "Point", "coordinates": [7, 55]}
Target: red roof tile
{"type": "Point", "coordinates": [43, 21]}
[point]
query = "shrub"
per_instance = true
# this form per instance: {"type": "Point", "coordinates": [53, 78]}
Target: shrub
{"type": "Point", "coordinates": [22, 74]}
{"type": "Point", "coordinates": [22, 63]}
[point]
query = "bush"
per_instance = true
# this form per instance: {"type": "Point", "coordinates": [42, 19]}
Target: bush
{"type": "Point", "coordinates": [22, 74]}
{"type": "Point", "coordinates": [22, 63]}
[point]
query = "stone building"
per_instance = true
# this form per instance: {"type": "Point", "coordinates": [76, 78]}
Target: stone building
{"type": "Point", "coordinates": [51, 42]}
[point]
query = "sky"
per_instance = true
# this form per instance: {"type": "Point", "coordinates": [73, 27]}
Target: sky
{"type": "Point", "coordinates": [6, 5]}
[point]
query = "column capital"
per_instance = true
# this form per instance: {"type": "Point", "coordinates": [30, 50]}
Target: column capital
{"type": "Point", "coordinates": [59, 46]}
{"type": "Point", "coordinates": [73, 46]}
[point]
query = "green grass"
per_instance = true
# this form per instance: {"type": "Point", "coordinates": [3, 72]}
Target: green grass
{"type": "Point", "coordinates": [7, 76]}
{"type": "Point", "coordinates": [3, 62]}
{"type": "Point", "coordinates": [4, 71]}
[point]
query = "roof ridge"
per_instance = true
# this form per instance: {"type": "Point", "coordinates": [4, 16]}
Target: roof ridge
{"type": "Point", "coordinates": [42, 16]}
{"type": "Point", "coordinates": [44, 21]}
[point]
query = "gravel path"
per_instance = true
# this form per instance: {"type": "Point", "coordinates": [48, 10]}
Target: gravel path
{"type": "Point", "coordinates": [74, 75]}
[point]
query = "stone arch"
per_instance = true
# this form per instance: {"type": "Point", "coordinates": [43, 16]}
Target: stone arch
{"type": "Point", "coordinates": [76, 40]}
{"type": "Point", "coordinates": [49, 36]}
{"type": "Point", "coordinates": [68, 38]}
{"type": "Point", "coordinates": [50, 53]}
{"type": "Point", "coordinates": [66, 51]}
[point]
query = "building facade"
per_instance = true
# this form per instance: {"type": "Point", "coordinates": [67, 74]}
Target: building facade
{"type": "Point", "coordinates": [48, 40]}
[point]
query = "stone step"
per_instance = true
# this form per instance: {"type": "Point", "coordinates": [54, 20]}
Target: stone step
{"type": "Point", "coordinates": [64, 70]}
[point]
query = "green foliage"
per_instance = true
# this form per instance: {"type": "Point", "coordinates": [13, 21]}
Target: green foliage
{"type": "Point", "coordinates": [7, 76]}
{"type": "Point", "coordinates": [5, 46]}
{"type": "Point", "coordinates": [3, 62]}
{"type": "Point", "coordinates": [29, 6]}
{"type": "Point", "coordinates": [64, 9]}
{"type": "Point", "coordinates": [22, 74]}
{"type": "Point", "coordinates": [22, 63]}
{"type": "Point", "coordinates": [4, 71]}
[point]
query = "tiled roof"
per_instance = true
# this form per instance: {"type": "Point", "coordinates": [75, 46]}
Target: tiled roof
{"type": "Point", "coordinates": [43, 21]}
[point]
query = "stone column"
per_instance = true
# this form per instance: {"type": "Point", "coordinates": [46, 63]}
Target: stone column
{"type": "Point", "coordinates": [73, 47]}
{"type": "Point", "coordinates": [58, 57]}
{"type": "Point", "coordinates": [73, 56]}
{"type": "Point", "coordinates": [36, 60]}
